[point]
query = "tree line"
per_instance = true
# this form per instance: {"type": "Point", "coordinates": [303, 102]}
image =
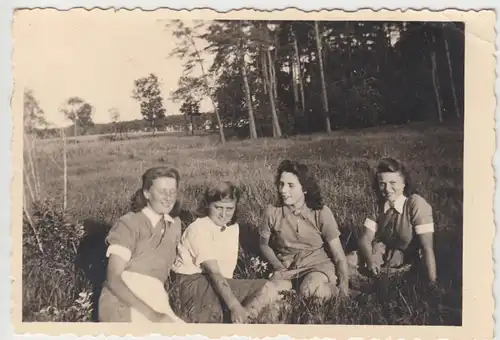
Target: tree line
{"type": "Point", "coordinates": [80, 112]}
{"type": "Point", "coordinates": [274, 78]}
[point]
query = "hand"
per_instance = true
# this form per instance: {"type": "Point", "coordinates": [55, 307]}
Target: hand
{"type": "Point", "coordinates": [160, 318]}
{"type": "Point", "coordinates": [374, 269]}
{"type": "Point", "coordinates": [344, 289]}
{"type": "Point", "coordinates": [433, 287]}
{"type": "Point", "coordinates": [166, 319]}
{"type": "Point", "coordinates": [239, 314]}
{"type": "Point", "coordinates": [278, 274]}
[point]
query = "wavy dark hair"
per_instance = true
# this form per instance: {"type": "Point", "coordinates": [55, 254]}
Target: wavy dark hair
{"type": "Point", "coordinates": [138, 201]}
{"type": "Point", "coordinates": [391, 165]}
{"type": "Point", "coordinates": [218, 192]}
{"type": "Point", "coordinates": [313, 197]}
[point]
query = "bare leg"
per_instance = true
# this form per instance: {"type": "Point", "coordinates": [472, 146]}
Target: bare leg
{"type": "Point", "coordinates": [317, 284]}
{"type": "Point", "coordinates": [268, 294]}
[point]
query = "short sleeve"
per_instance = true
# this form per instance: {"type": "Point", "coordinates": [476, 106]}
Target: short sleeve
{"type": "Point", "coordinates": [370, 224]}
{"type": "Point", "coordinates": [200, 244]}
{"type": "Point", "coordinates": [328, 225]}
{"type": "Point", "coordinates": [421, 215]}
{"type": "Point", "coordinates": [371, 220]}
{"type": "Point", "coordinates": [121, 240]}
{"type": "Point", "coordinates": [266, 224]}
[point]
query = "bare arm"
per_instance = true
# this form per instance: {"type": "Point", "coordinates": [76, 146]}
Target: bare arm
{"type": "Point", "coordinates": [365, 247]}
{"type": "Point", "coordinates": [269, 254]}
{"type": "Point", "coordinates": [428, 253]}
{"type": "Point", "coordinates": [116, 266]}
{"type": "Point", "coordinates": [221, 286]}
{"type": "Point", "coordinates": [340, 261]}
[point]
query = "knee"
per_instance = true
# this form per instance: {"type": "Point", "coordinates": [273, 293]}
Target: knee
{"type": "Point", "coordinates": [282, 285]}
{"type": "Point", "coordinates": [274, 287]}
{"type": "Point", "coordinates": [309, 288]}
{"type": "Point", "coordinates": [316, 285]}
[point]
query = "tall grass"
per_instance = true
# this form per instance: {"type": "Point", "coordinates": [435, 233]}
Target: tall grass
{"type": "Point", "coordinates": [102, 175]}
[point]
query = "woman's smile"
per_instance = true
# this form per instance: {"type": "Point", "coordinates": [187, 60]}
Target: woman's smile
{"type": "Point", "coordinates": [166, 203]}
{"type": "Point", "coordinates": [290, 189]}
{"type": "Point", "coordinates": [391, 185]}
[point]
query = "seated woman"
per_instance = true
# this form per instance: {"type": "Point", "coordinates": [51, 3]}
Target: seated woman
{"type": "Point", "coordinates": [141, 251]}
{"type": "Point", "coordinates": [206, 260]}
{"type": "Point", "coordinates": [302, 229]}
{"type": "Point", "coordinates": [402, 226]}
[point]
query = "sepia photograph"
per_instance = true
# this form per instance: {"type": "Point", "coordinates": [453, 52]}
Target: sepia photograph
{"type": "Point", "coordinates": [183, 169]}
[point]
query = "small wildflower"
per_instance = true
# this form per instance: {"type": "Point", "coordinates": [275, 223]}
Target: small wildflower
{"type": "Point", "coordinates": [258, 265]}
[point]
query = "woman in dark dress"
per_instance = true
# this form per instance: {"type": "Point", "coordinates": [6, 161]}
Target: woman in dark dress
{"type": "Point", "coordinates": [400, 232]}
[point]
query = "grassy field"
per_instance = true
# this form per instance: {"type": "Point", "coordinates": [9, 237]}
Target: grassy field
{"type": "Point", "coordinates": [102, 176]}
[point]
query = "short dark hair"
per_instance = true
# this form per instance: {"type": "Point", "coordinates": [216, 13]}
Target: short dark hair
{"type": "Point", "coordinates": [313, 196]}
{"type": "Point", "coordinates": [391, 165]}
{"type": "Point", "coordinates": [218, 192]}
{"type": "Point", "coordinates": [139, 201]}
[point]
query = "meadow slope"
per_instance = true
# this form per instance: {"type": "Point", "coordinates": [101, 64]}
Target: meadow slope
{"type": "Point", "coordinates": [102, 176]}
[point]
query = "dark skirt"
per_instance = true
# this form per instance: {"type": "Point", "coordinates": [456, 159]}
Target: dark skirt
{"type": "Point", "coordinates": [200, 303]}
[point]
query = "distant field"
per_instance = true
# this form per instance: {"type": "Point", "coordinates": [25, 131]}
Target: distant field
{"type": "Point", "coordinates": [102, 176]}
{"type": "Point", "coordinates": [105, 136]}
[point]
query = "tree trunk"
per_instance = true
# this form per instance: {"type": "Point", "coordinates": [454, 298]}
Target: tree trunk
{"type": "Point", "coordinates": [302, 91]}
{"type": "Point", "coordinates": [273, 73]}
{"type": "Point", "coordinates": [186, 124]}
{"type": "Point", "coordinates": [120, 129]}
{"type": "Point", "coordinates": [251, 118]}
{"type": "Point", "coordinates": [436, 86]}
{"type": "Point", "coordinates": [219, 121]}
{"type": "Point", "coordinates": [267, 86]}
{"type": "Point", "coordinates": [264, 69]}
{"type": "Point", "coordinates": [192, 125]}
{"type": "Point", "coordinates": [65, 172]}
{"type": "Point", "coordinates": [298, 73]}
{"type": "Point", "coordinates": [212, 99]}
{"type": "Point", "coordinates": [271, 88]}
{"type": "Point", "coordinates": [323, 84]}
{"type": "Point", "coordinates": [455, 101]}
{"type": "Point", "coordinates": [295, 88]}
{"type": "Point", "coordinates": [153, 126]}
{"type": "Point", "coordinates": [276, 124]}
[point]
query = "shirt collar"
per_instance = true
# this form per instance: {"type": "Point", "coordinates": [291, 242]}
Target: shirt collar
{"type": "Point", "coordinates": [398, 204]}
{"type": "Point", "coordinates": [155, 217]}
{"type": "Point", "coordinates": [215, 226]}
{"type": "Point", "coordinates": [297, 211]}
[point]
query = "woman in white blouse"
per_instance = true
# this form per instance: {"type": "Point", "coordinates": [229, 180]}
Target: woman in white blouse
{"type": "Point", "coordinates": [206, 260]}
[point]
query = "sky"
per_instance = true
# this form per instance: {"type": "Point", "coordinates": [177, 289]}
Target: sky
{"type": "Point", "coordinates": [94, 55]}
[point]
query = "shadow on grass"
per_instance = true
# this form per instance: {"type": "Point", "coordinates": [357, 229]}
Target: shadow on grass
{"type": "Point", "coordinates": [407, 298]}
{"type": "Point", "coordinates": [249, 247]}
{"type": "Point", "coordinates": [91, 258]}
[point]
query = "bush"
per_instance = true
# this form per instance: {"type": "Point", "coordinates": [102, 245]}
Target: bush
{"type": "Point", "coordinates": [53, 287]}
